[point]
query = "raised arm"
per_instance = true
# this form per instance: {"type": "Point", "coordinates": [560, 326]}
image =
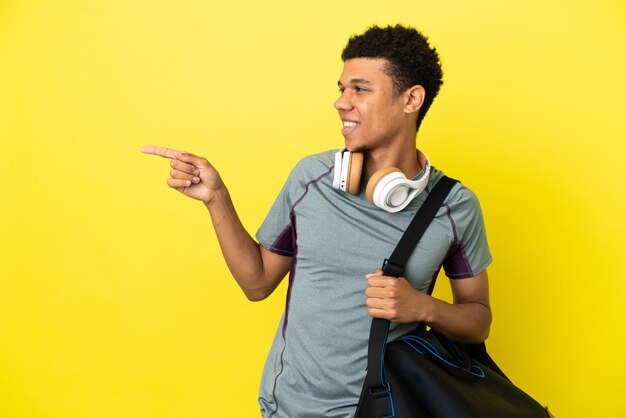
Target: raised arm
{"type": "Point", "coordinates": [257, 270]}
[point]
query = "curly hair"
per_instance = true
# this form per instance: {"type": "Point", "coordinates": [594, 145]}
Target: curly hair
{"type": "Point", "coordinates": [411, 59]}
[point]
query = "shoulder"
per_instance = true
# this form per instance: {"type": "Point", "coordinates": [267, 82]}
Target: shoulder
{"type": "Point", "coordinates": [463, 209]}
{"type": "Point", "coordinates": [314, 166]}
{"type": "Point", "coordinates": [460, 195]}
{"type": "Point", "coordinates": [461, 206]}
{"type": "Point", "coordinates": [321, 160]}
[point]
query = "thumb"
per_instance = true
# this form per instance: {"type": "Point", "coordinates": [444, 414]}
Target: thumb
{"type": "Point", "coordinates": [377, 272]}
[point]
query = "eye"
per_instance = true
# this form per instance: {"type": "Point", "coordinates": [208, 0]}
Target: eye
{"type": "Point", "coordinates": [341, 89]}
{"type": "Point", "coordinates": [359, 89]}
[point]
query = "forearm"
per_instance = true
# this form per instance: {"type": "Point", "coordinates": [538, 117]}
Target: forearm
{"type": "Point", "coordinates": [467, 322]}
{"type": "Point", "coordinates": [256, 270]}
{"type": "Point", "coordinates": [241, 252]}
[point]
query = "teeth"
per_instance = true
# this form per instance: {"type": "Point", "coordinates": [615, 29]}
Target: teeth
{"type": "Point", "coordinates": [348, 123]}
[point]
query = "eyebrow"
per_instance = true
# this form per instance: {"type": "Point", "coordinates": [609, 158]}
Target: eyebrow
{"type": "Point", "coordinates": [356, 81]}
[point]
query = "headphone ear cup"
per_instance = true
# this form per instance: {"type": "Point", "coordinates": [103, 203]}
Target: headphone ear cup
{"type": "Point", "coordinates": [376, 179]}
{"type": "Point", "coordinates": [355, 169]}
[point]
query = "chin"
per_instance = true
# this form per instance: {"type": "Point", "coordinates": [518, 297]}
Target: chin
{"type": "Point", "coordinates": [355, 147]}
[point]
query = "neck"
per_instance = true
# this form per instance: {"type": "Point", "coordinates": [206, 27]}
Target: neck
{"type": "Point", "coordinates": [402, 156]}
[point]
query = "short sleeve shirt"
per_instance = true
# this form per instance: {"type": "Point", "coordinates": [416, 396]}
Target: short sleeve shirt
{"type": "Point", "coordinates": [317, 361]}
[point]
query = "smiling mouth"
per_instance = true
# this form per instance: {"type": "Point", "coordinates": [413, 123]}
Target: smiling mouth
{"type": "Point", "coordinates": [349, 126]}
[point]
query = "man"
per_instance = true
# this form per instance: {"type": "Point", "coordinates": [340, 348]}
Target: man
{"type": "Point", "coordinates": [331, 242]}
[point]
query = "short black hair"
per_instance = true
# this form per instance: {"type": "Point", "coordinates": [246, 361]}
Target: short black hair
{"type": "Point", "coordinates": [411, 59]}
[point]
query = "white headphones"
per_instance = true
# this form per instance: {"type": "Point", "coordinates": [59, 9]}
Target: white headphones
{"type": "Point", "coordinates": [388, 188]}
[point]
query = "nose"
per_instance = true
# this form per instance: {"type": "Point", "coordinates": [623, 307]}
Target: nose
{"type": "Point", "coordinates": [343, 102]}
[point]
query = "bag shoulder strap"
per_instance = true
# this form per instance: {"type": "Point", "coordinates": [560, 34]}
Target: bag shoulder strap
{"type": "Point", "coordinates": [422, 219]}
{"type": "Point", "coordinates": [375, 383]}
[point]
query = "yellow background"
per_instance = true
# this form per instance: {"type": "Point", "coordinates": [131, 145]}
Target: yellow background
{"type": "Point", "coordinates": [114, 298]}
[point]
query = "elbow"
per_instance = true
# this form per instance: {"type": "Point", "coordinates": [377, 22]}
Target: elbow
{"type": "Point", "coordinates": [478, 336]}
{"type": "Point", "coordinates": [481, 336]}
{"type": "Point", "coordinates": [479, 330]}
{"type": "Point", "coordinates": [257, 294]}
{"type": "Point", "coordinates": [257, 288]}
{"type": "Point", "coordinates": [483, 331]}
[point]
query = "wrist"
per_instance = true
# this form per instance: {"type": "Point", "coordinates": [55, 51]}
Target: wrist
{"type": "Point", "coordinates": [429, 311]}
{"type": "Point", "coordinates": [216, 197]}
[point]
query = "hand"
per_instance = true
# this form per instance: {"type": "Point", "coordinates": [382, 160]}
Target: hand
{"type": "Point", "coordinates": [395, 299]}
{"type": "Point", "coordinates": [191, 175]}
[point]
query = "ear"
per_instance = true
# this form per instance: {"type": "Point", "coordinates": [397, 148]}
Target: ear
{"type": "Point", "coordinates": [414, 98]}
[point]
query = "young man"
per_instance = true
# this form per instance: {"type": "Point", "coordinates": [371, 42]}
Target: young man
{"type": "Point", "coordinates": [332, 242]}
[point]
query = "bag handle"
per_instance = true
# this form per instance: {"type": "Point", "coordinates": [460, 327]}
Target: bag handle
{"type": "Point", "coordinates": [375, 380]}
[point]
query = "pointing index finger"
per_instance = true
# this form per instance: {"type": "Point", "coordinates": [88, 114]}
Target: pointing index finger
{"type": "Point", "coordinates": [160, 151]}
